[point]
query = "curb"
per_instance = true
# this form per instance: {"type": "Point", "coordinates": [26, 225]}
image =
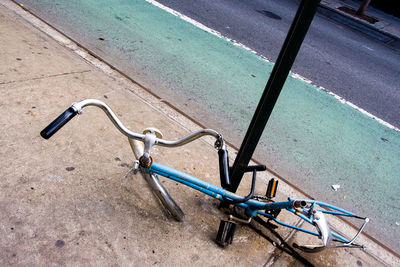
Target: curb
{"type": "Point", "coordinates": [364, 27]}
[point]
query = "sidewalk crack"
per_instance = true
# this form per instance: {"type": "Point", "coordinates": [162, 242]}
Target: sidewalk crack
{"type": "Point", "coordinates": [45, 77]}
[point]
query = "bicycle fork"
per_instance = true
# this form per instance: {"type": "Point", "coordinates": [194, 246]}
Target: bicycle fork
{"type": "Point", "coordinates": [156, 187]}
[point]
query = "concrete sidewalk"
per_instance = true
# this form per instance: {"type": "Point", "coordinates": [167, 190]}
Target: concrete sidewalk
{"type": "Point", "coordinates": [72, 201]}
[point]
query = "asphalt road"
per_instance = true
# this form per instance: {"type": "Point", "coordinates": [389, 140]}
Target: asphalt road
{"type": "Point", "coordinates": [349, 63]}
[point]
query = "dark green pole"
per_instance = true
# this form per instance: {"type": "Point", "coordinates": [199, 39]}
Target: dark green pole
{"type": "Point", "coordinates": [287, 55]}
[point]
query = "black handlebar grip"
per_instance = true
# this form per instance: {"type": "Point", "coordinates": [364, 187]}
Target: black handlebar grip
{"type": "Point", "coordinates": [224, 168]}
{"type": "Point", "coordinates": [56, 125]}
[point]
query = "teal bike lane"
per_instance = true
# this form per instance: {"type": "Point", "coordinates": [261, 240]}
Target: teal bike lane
{"type": "Point", "coordinates": [313, 139]}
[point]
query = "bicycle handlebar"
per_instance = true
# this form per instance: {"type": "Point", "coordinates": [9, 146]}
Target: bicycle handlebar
{"type": "Point", "coordinates": [77, 107]}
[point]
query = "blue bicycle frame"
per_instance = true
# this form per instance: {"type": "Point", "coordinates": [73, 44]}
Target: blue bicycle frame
{"type": "Point", "coordinates": [311, 211]}
{"type": "Point", "coordinates": [254, 207]}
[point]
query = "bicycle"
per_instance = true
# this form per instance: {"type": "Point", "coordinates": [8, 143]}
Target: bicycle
{"type": "Point", "coordinates": [244, 208]}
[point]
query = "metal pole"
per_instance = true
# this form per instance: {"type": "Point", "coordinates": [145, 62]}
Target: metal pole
{"type": "Point", "coordinates": [287, 55]}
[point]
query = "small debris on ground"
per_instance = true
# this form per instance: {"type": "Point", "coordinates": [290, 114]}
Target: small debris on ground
{"type": "Point", "coordinates": [398, 223]}
{"type": "Point", "coordinates": [60, 243]}
{"type": "Point", "coordinates": [335, 187]}
{"type": "Point", "coordinates": [31, 113]}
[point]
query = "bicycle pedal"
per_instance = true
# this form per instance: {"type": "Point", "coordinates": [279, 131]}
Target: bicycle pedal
{"type": "Point", "coordinates": [157, 132]}
{"type": "Point", "coordinates": [272, 188]}
{"type": "Point", "coordinates": [226, 232]}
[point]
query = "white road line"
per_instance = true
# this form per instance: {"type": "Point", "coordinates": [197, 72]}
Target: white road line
{"type": "Point", "coordinates": [294, 75]}
{"type": "Point", "coordinates": [366, 47]}
{"type": "Point", "coordinates": [203, 27]}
